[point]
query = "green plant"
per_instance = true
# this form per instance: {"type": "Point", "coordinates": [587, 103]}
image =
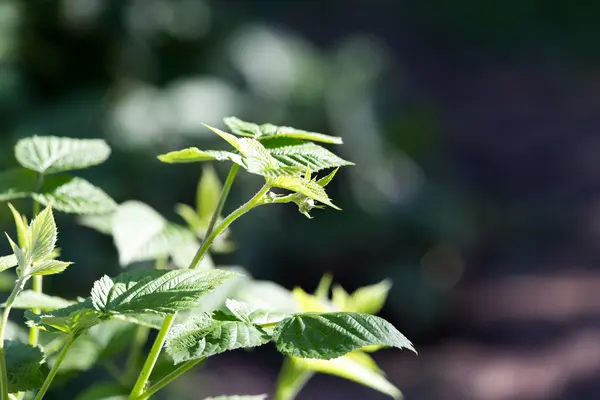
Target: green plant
{"type": "Point", "coordinates": [199, 311]}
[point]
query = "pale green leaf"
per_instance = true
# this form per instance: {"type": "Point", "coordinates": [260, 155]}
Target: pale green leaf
{"type": "Point", "coordinates": [72, 320]}
{"type": "Point", "coordinates": [175, 241]}
{"type": "Point", "coordinates": [307, 188]}
{"type": "Point", "coordinates": [28, 299]}
{"type": "Point", "coordinates": [22, 227]}
{"type": "Point", "coordinates": [324, 181]}
{"type": "Point", "coordinates": [24, 366]}
{"type": "Point", "coordinates": [51, 154]}
{"type": "Point", "coordinates": [270, 131]}
{"type": "Point", "coordinates": [104, 391]}
{"type": "Point", "coordinates": [102, 223]}
{"type": "Point", "coordinates": [341, 298]}
{"type": "Point", "coordinates": [7, 262]}
{"type": "Point", "coordinates": [266, 295]}
{"type": "Point", "coordinates": [239, 397]}
{"type": "Point", "coordinates": [157, 291]}
{"type": "Point", "coordinates": [292, 379]}
{"type": "Point", "coordinates": [49, 267]}
{"type": "Point", "coordinates": [17, 183]}
{"type": "Point", "coordinates": [193, 154]}
{"type": "Point", "coordinates": [355, 366]}
{"type": "Point", "coordinates": [298, 153]}
{"type": "Point", "coordinates": [135, 224]}
{"type": "Point", "coordinates": [250, 314]}
{"type": "Point", "coordinates": [74, 195]}
{"type": "Point", "coordinates": [18, 253]}
{"type": "Point", "coordinates": [43, 236]}
{"type": "Point", "coordinates": [205, 336]}
{"type": "Point", "coordinates": [331, 335]}
{"type": "Point", "coordinates": [208, 193]}
{"type": "Point", "coordinates": [370, 299]}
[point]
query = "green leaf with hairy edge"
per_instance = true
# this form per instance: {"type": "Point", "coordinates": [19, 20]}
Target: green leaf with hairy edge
{"type": "Point", "coordinates": [51, 154]}
{"type": "Point", "coordinates": [355, 366]}
{"type": "Point", "coordinates": [193, 154]}
{"type": "Point", "coordinates": [24, 366]}
{"type": "Point", "coordinates": [49, 267]}
{"type": "Point", "coordinates": [17, 183]}
{"type": "Point", "coordinates": [157, 291]}
{"type": "Point", "coordinates": [298, 153]}
{"type": "Point", "coordinates": [7, 262]}
{"type": "Point", "coordinates": [19, 254]}
{"type": "Point", "coordinates": [72, 320]}
{"type": "Point", "coordinates": [331, 335]}
{"type": "Point", "coordinates": [270, 131]}
{"type": "Point", "coordinates": [29, 299]}
{"type": "Point", "coordinates": [370, 299]}
{"type": "Point", "coordinates": [104, 391]}
{"type": "Point", "coordinates": [43, 236]}
{"type": "Point", "coordinates": [22, 227]}
{"type": "Point", "coordinates": [305, 187]}
{"type": "Point", "coordinates": [74, 195]}
{"type": "Point", "coordinates": [208, 193]}
{"type": "Point", "coordinates": [205, 336]}
{"type": "Point", "coordinates": [239, 397]}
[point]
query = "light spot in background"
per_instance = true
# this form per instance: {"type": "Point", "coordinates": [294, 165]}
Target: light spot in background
{"type": "Point", "coordinates": [10, 20]}
{"type": "Point", "coordinates": [275, 63]}
{"type": "Point", "coordinates": [199, 100]}
{"type": "Point", "coordinates": [443, 266]}
{"type": "Point", "coordinates": [384, 178]}
{"type": "Point", "coordinates": [81, 14]}
{"type": "Point", "coordinates": [145, 115]}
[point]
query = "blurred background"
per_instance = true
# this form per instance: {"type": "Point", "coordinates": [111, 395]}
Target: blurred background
{"type": "Point", "coordinates": [474, 127]}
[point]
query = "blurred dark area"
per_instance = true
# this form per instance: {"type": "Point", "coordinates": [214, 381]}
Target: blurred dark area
{"type": "Point", "coordinates": [475, 130]}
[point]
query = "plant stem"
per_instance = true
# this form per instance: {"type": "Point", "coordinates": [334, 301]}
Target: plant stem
{"type": "Point", "coordinates": [209, 239]}
{"type": "Point", "coordinates": [169, 378]}
{"type": "Point", "coordinates": [54, 370]}
{"type": "Point", "coordinates": [19, 284]}
{"type": "Point", "coordinates": [38, 280]}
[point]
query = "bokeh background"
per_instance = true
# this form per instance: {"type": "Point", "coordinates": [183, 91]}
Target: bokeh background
{"type": "Point", "coordinates": [474, 126]}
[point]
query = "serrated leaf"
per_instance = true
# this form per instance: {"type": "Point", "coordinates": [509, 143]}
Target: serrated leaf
{"type": "Point", "coordinates": [72, 320]}
{"type": "Point", "coordinates": [29, 299]}
{"type": "Point", "coordinates": [104, 391]}
{"type": "Point", "coordinates": [208, 193]}
{"type": "Point", "coordinates": [51, 154]}
{"type": "Point", "coordinates": [205, 336]}
{"type": "Point", "coordinates": [157, 291]}
{"type": "Point", "coordinates": [355, 366]}
{"type": "Point", "coordinates": [22, 228]}
{"type": "Point", "coordinates": [24, 366]}
{"type": "Point", "coordinates": [18, 253]}
{"type": "Point", "coordinates": [331, 335]}
{"type": "Point", "coordinates": [270, 131]}
{"type": "Point", "coordinates": [7, 262]}
{"type": "Point", "coordinates": [49, 267]}
{"type": "Point", "coordinates": [324, 181]}
{"type": "Point", "coordinates": [250, 314]}
{"type": "Point", "coordinates": [307, 188]}
{"type": "Point", "coordinates": [74, 195]}
{"type": "Point", "coordinates": [298, 153]}
{"type": "Point", "coordinates": [239, 397]}
{"type": "Point", "coordinates": [193, 154]}
{"type": "Point", "coordinates": [43, 236]}
{"type": "Point", "coordinates": [17, 183]}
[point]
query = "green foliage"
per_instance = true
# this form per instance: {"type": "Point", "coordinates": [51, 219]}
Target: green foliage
{"type": "Point", "coordinates": [315, 333]}
{"type": "Point", "coordinates": [24, 365]}
{"type": "Point", "coordinates": [50, 154]}
{"type": "Point", "coordinates": [157, 292]}
{"type": "Point", "coordinates": [235, 397]}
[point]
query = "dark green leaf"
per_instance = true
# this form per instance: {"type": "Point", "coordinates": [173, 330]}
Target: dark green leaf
{"type": "Point", "coordinates": [331, 335]}
{"type": "Point", "coordinates": [24, 366]}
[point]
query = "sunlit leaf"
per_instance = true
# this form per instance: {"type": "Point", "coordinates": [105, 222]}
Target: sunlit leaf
{"type": "Point", "coordinates": [7, 262]}
{"type": "Point", "coordinates": [157, 291]}
{"type": "Point", "coordinates": [370, 299]}
{"type": "Point", "coordinates": [298, 153]}
{"type": "Point", "coordinates": [72, 320]}
{"type": "Point", "coordinates": [193, 154]}
{"type": "Point", "coordinates": [43, 236]}
{"type": "Point", "coordinates": [28, 299]}
{"type": "Point", "coordinates": [331, 335]}
{"type": "Point", "coordinates": [305, 187]}
{"type": "Point", "coordinates": [22, 228]}
{"type": "Point", "coordinates": [270, 131]}
{"type": "Point", "coordinates": [74, 195]}
{"type": "Point", "coordinates": [208, 193]}
{"type": "Point", "coordinates": [50, 154]}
